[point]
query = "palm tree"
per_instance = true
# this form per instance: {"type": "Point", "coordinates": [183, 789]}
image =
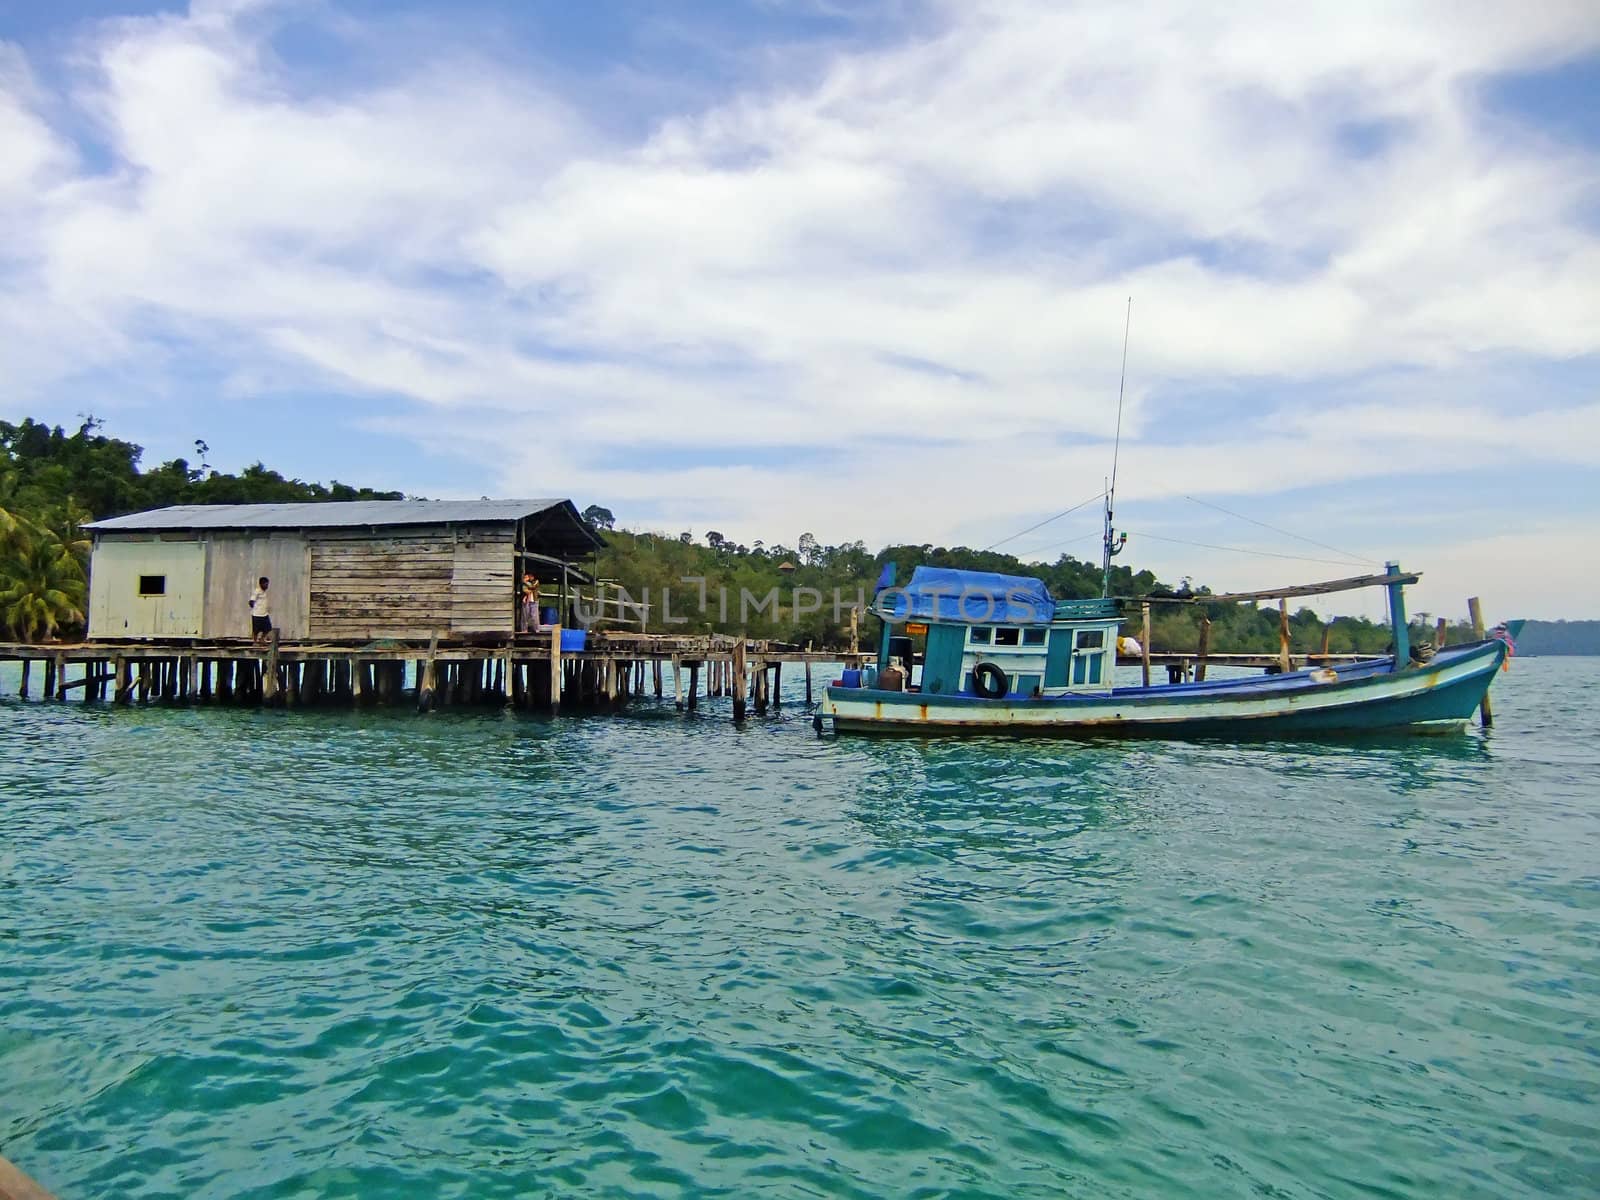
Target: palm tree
{"type": "Point", "coordinates": [42, 586]}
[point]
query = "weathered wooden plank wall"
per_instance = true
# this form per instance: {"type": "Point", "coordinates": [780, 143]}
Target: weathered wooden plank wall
{"type": "Point", "coordinates": [236, 561]}
{"type": "Point", "coordinates": [393, 584]}
{"type": "Point", "coordinates": [483, 581]}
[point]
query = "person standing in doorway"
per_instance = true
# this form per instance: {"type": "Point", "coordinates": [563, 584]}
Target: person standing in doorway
{"type": "Point", "coordinates": [530, 604]}
{"type": "Point", "coordinates": [260, 612]}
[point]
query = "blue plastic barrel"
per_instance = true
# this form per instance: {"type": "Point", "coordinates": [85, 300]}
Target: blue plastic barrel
{"type": "Point", "coordinates": [548, 616]}
{"type": "Point", "coordinates": [851, 678]}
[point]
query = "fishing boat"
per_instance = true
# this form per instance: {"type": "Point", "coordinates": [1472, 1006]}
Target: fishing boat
{"type": "Point", "coordinates": [1002, 656]}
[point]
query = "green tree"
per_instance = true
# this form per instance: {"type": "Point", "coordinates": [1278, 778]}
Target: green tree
{"type": "Point", "coordinates": [42, 587]}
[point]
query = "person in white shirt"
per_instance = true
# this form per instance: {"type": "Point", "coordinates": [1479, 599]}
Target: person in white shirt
{"type": "Point", "coordinates": [260, 612]}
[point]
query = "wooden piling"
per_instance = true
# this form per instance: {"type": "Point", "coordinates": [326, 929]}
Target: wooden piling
{"type": "Point", "coordinates": [1202, 650]}
{"type": "Point", "coordinates": [777, 685]}
{"type": "Point", "coordinates": [124, 684]}
{"type": "Point", "coordinates": [657, 672]}
{"type": "Point", "coordinates": [428, 677]}
{"type": "Point", "coordinates": [1475, 610]}
{"type": "Point", "coordinates": [1284, 662]}
{"type": "Point", "coordinates": [694, 685]}
{"type": "Point", "coordinates": [269, 677]}
{"type": "Point", "coordinates": [1144, 646]}
{"type": "Point", "coordinates": [27, 669]}
{"type": "Point", "coordinates": [808, 683]}
{"type": "Point", "coordinates": [738, 671]}
{"type": "Point", "coordinates": [677, 684]}
{"type": "Point", "coordinates": [555, 668]}
{"type": "Point", "coordinates": [144, 681]}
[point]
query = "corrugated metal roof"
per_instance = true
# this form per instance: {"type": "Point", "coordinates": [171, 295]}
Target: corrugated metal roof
{"type": "Point", "coordinates": [332, 514]}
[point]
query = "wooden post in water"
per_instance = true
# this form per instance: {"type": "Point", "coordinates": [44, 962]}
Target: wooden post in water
{"type": "Point", "coordinates": [124, 682]}
{"type": "Point", "coordinates": [694, 685]}
{"type": "Point", "coordinates": [49, 679]}
{"type": "Point", "coordinates": [144, 681]}
{"type": "Point", "coordinates": [428, 680]}
{"type": "Point", "coordinates": [269, 677]}
{"type": "Point", "coordinates": [657, 666]}
{"type": "Point", "coordinates": [555, 668]}
{"type": "Point", "coordinates": [27, 668]}
{"type": "Point", "coordinates": [1204, 649]}
{"type": "Point", "coordinates": [808, 683]}
{"type": "Point", "coordinates": [677, 684]}
{"type": "Point", "coordinates": [1283, 635]}
{"type": "Point", "coordinates": [739, 678]}
{"type": "Point", "coordinates": [1144, 645]}
{"type": "Point", "coordinates": [1475, 610]}
{"type": "Point", "coordinates": [777, 685]}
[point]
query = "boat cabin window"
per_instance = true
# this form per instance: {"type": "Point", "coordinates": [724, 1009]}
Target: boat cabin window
{"type": "Point", "coordinates": [978, 635]}
{"type": "Point", "coordinates": [1006, 637]}
{"type": "Point", "coordinates": [1091, 639]}
{"type": "Point", "coordinates": [1033, 637]}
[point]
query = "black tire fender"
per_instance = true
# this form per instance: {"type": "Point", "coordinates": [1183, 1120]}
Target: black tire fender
{"type": "Point", "coordinates": [989, 681]}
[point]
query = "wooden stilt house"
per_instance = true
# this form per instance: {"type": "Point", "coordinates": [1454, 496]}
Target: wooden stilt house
{"type": "Point", "coordinates": [339, 571]}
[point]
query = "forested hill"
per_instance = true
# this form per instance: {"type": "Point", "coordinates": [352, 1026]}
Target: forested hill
{"type": "Point", "coordinates": [731, 571]}
{"type": "Point", "coordinates": [52, 482]}
{"type": "Point", "coordinates": [1560, 637]}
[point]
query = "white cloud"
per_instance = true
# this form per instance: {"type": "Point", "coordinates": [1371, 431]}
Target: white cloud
{"type": "Point", "coordinates": [920, 255]}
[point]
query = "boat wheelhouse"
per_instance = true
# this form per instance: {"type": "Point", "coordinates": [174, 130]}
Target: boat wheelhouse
{"type": "Point", "coordinates": [998, 635]}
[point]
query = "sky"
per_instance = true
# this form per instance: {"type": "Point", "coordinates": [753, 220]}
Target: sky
{"type": "Point", "coordinates": [858, 270]}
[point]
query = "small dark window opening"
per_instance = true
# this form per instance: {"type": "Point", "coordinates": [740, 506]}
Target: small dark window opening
{"type": "Point", "coordinates": [152, 585]}
{"type": "Point", "coordinates": [1033, 637]}
{"type": "Point", "coordinates": [980, 636]}
{"type": "Point", "coordinates": [1091, 641]}
{"type": "Point", "coordinates": [1006, 637]}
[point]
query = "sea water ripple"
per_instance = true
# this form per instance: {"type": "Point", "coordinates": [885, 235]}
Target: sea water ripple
{"type": "Point", "coordinates": [267, 954]}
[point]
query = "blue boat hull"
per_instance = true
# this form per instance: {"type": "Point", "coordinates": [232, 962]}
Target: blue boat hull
{"type": "Point", "coordinates": [1363, 697]}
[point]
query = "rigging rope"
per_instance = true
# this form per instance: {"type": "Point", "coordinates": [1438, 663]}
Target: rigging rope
{"type": "Point", "coordinates": [1242, 550]}
{"type": "Point", "coordinates": [1359, 558]}
{"type": "Point", "coordinates": [1037, 550]}
{"type": "Point", "coordinates": [1044, 522]}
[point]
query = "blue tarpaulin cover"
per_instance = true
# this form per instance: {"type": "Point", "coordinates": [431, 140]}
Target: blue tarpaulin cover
{"type": "Point", "coordinates": [975, 597]}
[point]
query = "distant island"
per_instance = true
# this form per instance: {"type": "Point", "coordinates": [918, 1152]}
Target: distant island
{"type": "Point", "coordinates": [1559, 637]}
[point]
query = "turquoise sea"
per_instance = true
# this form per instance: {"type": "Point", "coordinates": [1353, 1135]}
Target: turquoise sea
{"type": "Point", "coordinates": [267, 954]}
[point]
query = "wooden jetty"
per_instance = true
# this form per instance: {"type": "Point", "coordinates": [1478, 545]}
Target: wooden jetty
{"type": "Point", "coordinates": [527, 671]}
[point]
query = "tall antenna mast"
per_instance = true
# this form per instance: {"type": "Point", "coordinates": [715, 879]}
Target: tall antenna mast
{"type": "Point", "coordinates": [1113, 545]}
